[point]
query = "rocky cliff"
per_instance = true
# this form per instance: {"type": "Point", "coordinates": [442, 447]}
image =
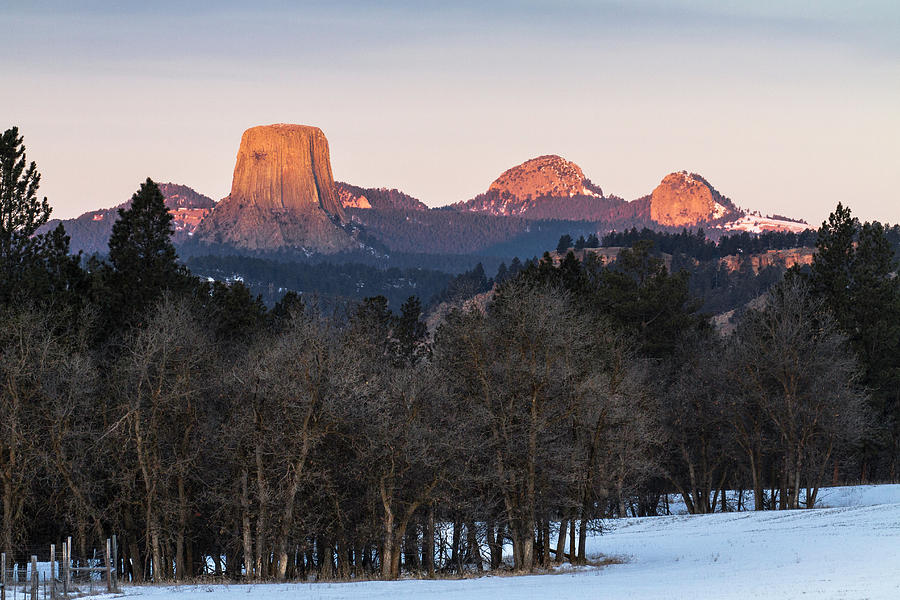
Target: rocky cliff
{"type": "Point", "coordinates": [682, 200]}
{"type": "Point", "coordinates": [787, 258]}
{"type": "Point", "coordinates": [548, 175]}
{"type": "Point", "coordinates": [546, 187]}
{"type": "Point", "coordinates": [282, 194]}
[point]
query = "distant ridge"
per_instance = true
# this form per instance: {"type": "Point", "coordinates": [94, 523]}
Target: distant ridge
{"type": "Point", "coordinates": [284, 198]}
{"type": "Point", "coordinates": [90, 231]}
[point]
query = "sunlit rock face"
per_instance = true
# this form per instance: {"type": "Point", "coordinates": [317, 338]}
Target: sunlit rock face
{"type": "Point", "coordinates": [546, 185]}
{"type": "Point", "coordinates": [548, 175]}
{"type": "Point", "coordinates": [681, 200]}
{"type": "Point", "coordinates": [282, 194]}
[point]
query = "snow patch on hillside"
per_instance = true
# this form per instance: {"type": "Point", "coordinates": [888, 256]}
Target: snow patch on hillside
{"type": "Point", "coordinates": [718, 211]}
{"type": "Point", "coordinates": [758, 224]}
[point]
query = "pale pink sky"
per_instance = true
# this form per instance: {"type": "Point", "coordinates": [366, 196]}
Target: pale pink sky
{"type": "Point", "coordinates": [783, 109]}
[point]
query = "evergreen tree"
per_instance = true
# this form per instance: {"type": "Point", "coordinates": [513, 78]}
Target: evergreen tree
{"type": "Point", "coordinates": [141, 245]}
{"type": "Point", "coordinates": [833, 259]}
{"type": "Point", "coordinates": [290, 304]}
{"type": "Point", "coordinates": [55, 275]}
{"type": "Point", "coordinates": [371, 323]}
{"type": "Point", "coordinates": [22, 212]}
{"type": "Point", "coordinates": [502, 273]}
{"type": "Point", "coordinates": [639, 294]}
{"type": "Point", "coordinates": [854, 271]}
{"type": "Point", "coordinates": [142, 256]}
{"type": "Point", "coordinates": [231, 311]}
{"type": "Point", "coordinates": [565, 242]}
{"type": "Point", "coordinates": [580, 243]}
{"type": "Point", "coordinates": [410, 334]}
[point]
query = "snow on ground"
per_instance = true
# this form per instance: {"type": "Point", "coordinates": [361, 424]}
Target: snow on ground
{"type": "Point", "coordinates": [850, 550]}
{"type": "Point", "coordinates": [759, 224]}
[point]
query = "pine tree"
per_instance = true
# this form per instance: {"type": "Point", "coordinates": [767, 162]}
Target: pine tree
{"type": "Point", "coordinates": [231, 311]}
{"type": "Point", "coordinates": [32, 266]}
{"type": "Point", "coordinates": [854, 271]}
{"type": "Point", "coordinates": [410, 334]}
{"type": "Point", "coordinates": [140, 244]}
{"type": "Point", "coordinates": [142, 256]}
{"type": "Point", "coordinates": [371, 325]}
{"type": "Point", "coordinates": [580, 243]}
{"type": "Point", "coordinates": [502, 273]}
{"type": "Point", "coordinates": [21, 211]}
{"type": "Point", "coordinates": [833, 259]}
{"type": "Point", "coordinates": [291, 304]}
{"type": "Point", "coordinates": [55, 275]}
{"type": "Point", "coordinates": [565, 242]}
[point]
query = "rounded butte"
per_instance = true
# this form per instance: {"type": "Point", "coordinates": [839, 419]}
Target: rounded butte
{"type": "Point", "coordinates": [681, 200]}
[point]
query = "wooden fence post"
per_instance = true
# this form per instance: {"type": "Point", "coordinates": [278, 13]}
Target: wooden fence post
{"type": "Point", "coordinates": [69, 564]}
{"type": "Point", "coordinates": [115, 558]}
{"type": "Point", "coordinates": [109, 584]}
{"type": "Point", "coordinates": [3, 576]}
{"type": "Point", "coordinates": [53, 571]}
{"type": "Point", "coordinates": [35, 581]}
{"type": "Point", "coordinates": [63, 568]}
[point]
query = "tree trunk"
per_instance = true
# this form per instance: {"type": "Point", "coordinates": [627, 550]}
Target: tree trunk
{"type": "Point", "coordinates": [495, 544]}
{"type": "Point", "coordinates": [527, 550]}
{"type": "Point", "coordinates": [572, 539]}
{"type": "Point", "coordinates": [561, 541]}
{"type": "Point", "coordinates": [387, 544]}
{"type": "Point", "coordinates": [245, 526]}
{"type": "Point", "coordinates": [137, 563]}
{"type": "Point", "coordinates": [455, 543]}
{"type": "Point", "coordinates": [545, 547]}
{"type": "Point", "coordinates": [395, 556]}
{"type": "Point", "coordinates": [326, 562]}
{"type": "Point", "coordinates": [759, 499]}
{"type": "Point", "coordinates": [473, 549]}
{"type": "Point", "coordinates": [157, 568]}
{"type": "Point", "coordinates": [582, 541]}
{"type": "Point", "coordinates": [428, 542]}
{"type": "Point", "coordinates": [180, 570]}
{"type": "Point", "coordinates": [263, 495]}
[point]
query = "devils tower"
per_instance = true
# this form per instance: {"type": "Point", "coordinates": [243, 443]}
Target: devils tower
{"type": "Point", "coordinates": [282, 194]}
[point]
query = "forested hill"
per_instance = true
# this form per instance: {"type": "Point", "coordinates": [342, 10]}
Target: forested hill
{"type": "Point", "coordinates": [331, 283]}
{"type": "Point", "coordinates": [698, 246]}
{"type": "Point", "coordinates": [446, 231]}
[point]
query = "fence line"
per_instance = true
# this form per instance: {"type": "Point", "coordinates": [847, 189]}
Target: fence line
{"type": "Point", "coordinates": [61, 579]}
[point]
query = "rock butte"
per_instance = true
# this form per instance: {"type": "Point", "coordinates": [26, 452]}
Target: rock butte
{"type": "Point", "coordinates": [282, 194]}
{"type": "Point", "coordinates": [548, 175]}
{"type": "Point", "coordinates": [681, 200]}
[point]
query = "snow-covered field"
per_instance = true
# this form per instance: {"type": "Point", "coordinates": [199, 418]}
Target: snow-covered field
{"type": "Point", "coordinates": [851, 549]}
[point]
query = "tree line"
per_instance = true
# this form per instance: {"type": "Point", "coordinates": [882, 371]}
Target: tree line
{"type": "Point", "coordinates": [696, 244]}
{"type": "Point", "coordinates": [295, 442]}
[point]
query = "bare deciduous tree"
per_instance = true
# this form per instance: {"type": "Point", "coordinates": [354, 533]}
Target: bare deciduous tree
{"type": "Point", "coordinates": [792, 367]}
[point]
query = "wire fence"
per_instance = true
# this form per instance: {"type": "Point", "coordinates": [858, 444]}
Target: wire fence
{"type": "Point", "coordinates": [61, 576]}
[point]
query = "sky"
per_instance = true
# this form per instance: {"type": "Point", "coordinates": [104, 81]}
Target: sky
{"type": "Point", "coordinates": [786, 107]}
